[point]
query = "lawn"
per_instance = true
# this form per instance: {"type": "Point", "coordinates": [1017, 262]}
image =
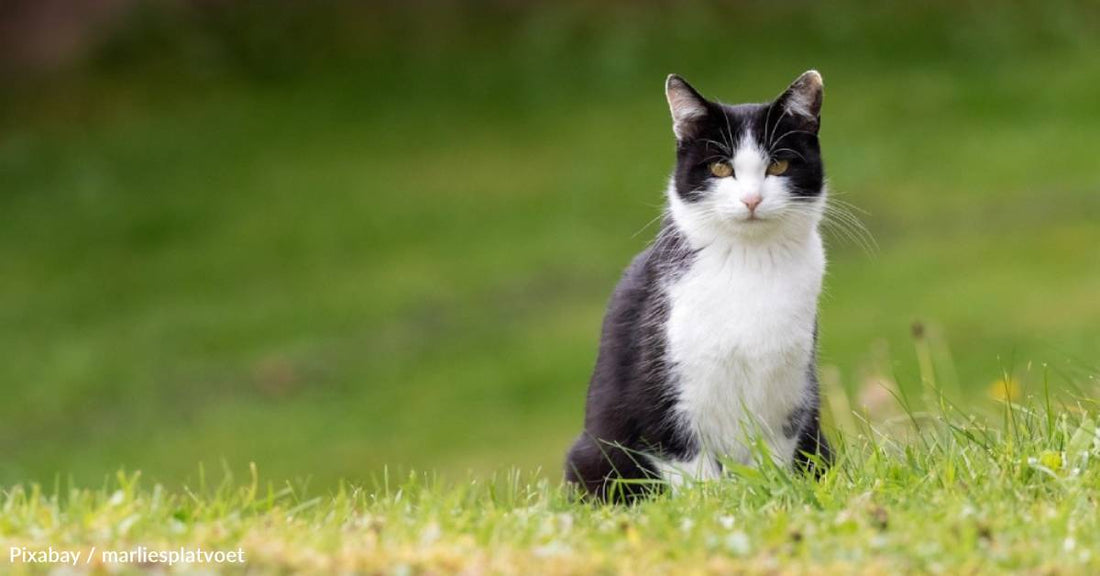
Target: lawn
{"type": "Point", "coordinates": [387, 245]}
{"type": "Point", "coordinates": [963, 498]}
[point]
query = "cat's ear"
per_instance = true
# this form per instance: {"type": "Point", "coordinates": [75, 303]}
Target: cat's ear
{"type": "Point", "coordinates": [802, 99]}
{"type": "Point", "coordinates": [687, 106]}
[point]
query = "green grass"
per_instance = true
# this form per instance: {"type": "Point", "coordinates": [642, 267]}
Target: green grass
{"type": "Point", "coordinates": [386, 246]}
{"type": "Point", "coordinates": [400, 256]}
{"type": "Point", "coordinates": [958, 496]}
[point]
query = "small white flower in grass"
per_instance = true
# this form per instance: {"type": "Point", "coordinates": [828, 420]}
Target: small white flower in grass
{"type": "Point", "coordinates": [176, 526]}
{"type": "Point", "coordinates": [117, 498]}
{"type": "Point", "coordinates": [1069, 544]}
{"type": "Point", "coordinates": [738, 543]}
{"type": "Point", "coordinates": [565, 522]}
{"type": "Point", "coordinates": [726, 522]}
{"type": "Point", "coordinates": [686, 525]}
{"type": "Point", "coordinates": [127, 523]}
{"type": "Point", "coordinates": [550, 549]}
{"type": "Point", "coordinates": [430, 534]}
{"type": "Point", "coordinates": [843, 517]}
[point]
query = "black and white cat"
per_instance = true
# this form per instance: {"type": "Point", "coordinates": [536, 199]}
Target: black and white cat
{"type": "Point", "coordinates": [708, 344]}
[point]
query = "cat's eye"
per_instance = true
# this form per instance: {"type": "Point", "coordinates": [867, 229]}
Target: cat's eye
{"type": "Point", "coordinates": [777, 167]}
{"type": "Point", "coordinates": [721, 169]}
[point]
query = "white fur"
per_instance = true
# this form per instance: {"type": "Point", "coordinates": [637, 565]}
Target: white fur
{"type": "Point", "coordinates": [741, 320]}
{"type": "Point", "coordinates": [799, 103]}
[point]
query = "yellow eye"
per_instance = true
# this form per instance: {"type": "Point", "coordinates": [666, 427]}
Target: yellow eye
{"type": "Point", "coordinates": [776, 168]}
{"type": "Point", "coordinates": [721, 169]}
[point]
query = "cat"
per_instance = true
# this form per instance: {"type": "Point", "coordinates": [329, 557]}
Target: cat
{"type": "Point", "coordinates": [709, 342]}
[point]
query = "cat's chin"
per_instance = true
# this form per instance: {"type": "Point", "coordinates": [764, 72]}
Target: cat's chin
{"type": "Point", "coordinates": [752, 226]}
{"type": "Point", "coordinates": [761, 229]}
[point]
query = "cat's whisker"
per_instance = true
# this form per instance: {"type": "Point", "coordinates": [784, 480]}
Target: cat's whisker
{"type": "Point", "coordinates": [767, 121]}
{"type": "Point", "coordinates": [848, 212]}
{"type": "Point", "coordinates": [729, 130]}
{"type": "Point", "coordinates": [767, 137]}
{"type": "Point", "coordinates": [795, 152]}
{"type": "Point", "coordinates": [852, 227]}
{"type": "Point", "coordinates": [839, 220]}
{"type": "Point", "coordinates": [724, 148]}
{"type": "Point", "coordinates": [846, 233]}
{"type": "Point", "coordinates": [648, 224]}
{"type": "Point", "coordinates": [847, 205]}
{"type": "Point", "coordinates": [788, 133]}
{"type": "Point", "coordinates": [715, 157]}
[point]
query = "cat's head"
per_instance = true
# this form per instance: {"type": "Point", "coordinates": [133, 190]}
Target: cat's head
{"type": "Point", "coordinates": [749, 171]}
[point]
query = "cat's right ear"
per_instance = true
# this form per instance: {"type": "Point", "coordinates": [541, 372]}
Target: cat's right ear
{"type": "Point", "coordinates": [688, 107]}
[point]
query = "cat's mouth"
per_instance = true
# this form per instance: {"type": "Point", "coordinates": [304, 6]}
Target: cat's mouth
{"type": "Point", "coordinates": [751, 223]}
{"type": "Point", "coordinates": [753, 218]}
{"type": "Point", "coordinates": [743, 221]}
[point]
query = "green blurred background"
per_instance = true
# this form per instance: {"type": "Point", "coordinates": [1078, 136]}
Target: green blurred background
{"type": "Point", "coordinates": [330, 237]}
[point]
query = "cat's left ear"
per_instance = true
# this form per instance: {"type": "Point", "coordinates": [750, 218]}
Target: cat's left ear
{"type": "Point", "coordinates": [802, 99]}
{"type": "Point", "coordinates": [688, 107]}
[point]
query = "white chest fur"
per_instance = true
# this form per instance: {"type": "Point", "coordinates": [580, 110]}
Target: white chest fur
{"type": "Point", "coordinates": [741, 337]}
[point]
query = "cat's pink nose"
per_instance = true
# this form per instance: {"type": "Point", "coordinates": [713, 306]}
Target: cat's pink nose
{"type": "Point", "coordinates": [751, 201]}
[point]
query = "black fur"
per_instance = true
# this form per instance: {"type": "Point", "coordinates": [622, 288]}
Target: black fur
{"type": "Point", "coordinates": [805, 422]}
{"type": "Point", "coordinates": [631, 392]}
{"type": "Point", "coordinates": [787, 137]}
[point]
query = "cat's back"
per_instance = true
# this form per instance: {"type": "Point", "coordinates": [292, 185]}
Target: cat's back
{"type": "Point", "coordinates": [638, 308]}
{"type": "Point", "coordinates": [634, 315]}
{"type": "Point", "coordinates": [630, 389]}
